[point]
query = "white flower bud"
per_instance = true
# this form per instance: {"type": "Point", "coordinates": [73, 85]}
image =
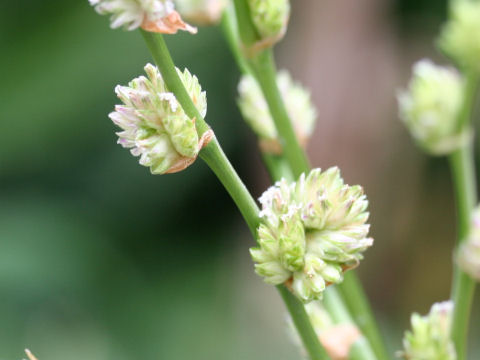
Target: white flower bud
{"type": "Point", "coordinates": [431, 105]}
{"type": "Point", "coordinates": [430, 335]}
{"type": "Point", "coordinates": [154, 124]}
{"type": "Point", "coordinates": [469, 254]}
{"type": "Point", "coordinates": [201, 12]}
{"type": "Point", "coordinates": [459, 38]}
{"type": "Point", "coordinates": [313, 230]}
{"type": "Point", "coordinates": [254, 109]}
{"type": "Point", "coordinates": [151, 15]}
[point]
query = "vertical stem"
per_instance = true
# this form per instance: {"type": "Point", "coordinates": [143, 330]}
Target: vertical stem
{"type": "Point", "coordinates": [302, 321]}
{"type": "Point", "coordinates": [462, 167]}
{"type": "Point", "coordinates": [265, 72]}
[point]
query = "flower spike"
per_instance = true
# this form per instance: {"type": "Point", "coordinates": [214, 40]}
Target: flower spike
{"type": "Point", "coordinates": [201, 12]}
{"type": "Point", "coordinates": [150, 15]}
{"type": "Point", "coordinates": [154, 125]}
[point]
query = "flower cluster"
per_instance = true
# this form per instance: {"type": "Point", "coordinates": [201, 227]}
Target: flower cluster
{"type": "Point", "coordinates": [255, 110]}
{"type": "Point", "coordinates": [430, 335]}
{"type": "Point", "coordinates": [311, 232]}
{"type": "Point", "coordinates": [270, 18]}
{"type": "Point", "coordinates": [201, 12]}
{"type": "Point", "coordinates": [431, 105]}
{"type": "Point", "coordinates": [151, 15]}
{"type": "Point", "coordinates": [469, 253]}
{"type": "Point", "coordinates": [154, 124]}
{"type": "Point", "coordinates": [459, 36]}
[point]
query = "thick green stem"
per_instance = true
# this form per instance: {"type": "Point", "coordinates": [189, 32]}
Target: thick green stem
{"type": "Point", "coordinates": [462, 167]}
{"type": "Point", "coordinates": [213, 155]}
{"type": "Point", "coordinates": [302, 321]}
{"type": "Point", "coordinates": [357, 303]}
{"type": "Point", "coordinates": [264, 69]}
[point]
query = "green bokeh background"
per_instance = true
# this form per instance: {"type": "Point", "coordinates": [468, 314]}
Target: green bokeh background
{"type": "Point", "coordinates": [101, 260]}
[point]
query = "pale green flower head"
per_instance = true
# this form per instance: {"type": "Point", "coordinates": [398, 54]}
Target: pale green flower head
{"type": "Point", "coordinates": [201, 12]}
{"type": "Point", "coordinates": [154, 125]}
{"type": "Point", "coordinates": [460, 36]}
{"type": "Point", "coordinates": [151, 15]}
{"type": "Point", "coordinates": [469, 254]}
{"type": "Point", "coordinates": [312, 231]}
{"type": "Point", "coordinates": [429, 338]}
{"type": "Point", "coordinates": [254, 109]}
{"type": "Point", "coordinates": [431, 105]}
{"type": "Point", "coordinates": [270, 18]}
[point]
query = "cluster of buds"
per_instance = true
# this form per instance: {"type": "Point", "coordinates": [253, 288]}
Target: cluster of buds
{"type": "Point", "coordinates": [154, 124]}
{"type": "Point", "coordinates": [270, 18]}
{"type": "Point", "coordinates": [469, 254]}
{"type": "Point", "coordinates": [430, 108]}
{"type": "Point", "coordinates": [254, 109]}
{"type": "Point", "coordinates": [430, 335]}
{"type": "Point", "coordinates": [201, 12]}
{"type": "Point", "coordinates": [151, 15]}
{"type": "Point", "coordinates": [337, 339]}
{"type": "Point", "coordinates": [459, 36]}
{"type": "Point", "coordinates": [311, 232]}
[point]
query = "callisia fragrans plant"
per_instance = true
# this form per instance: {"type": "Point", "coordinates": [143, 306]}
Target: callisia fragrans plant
{"type": "Point", "coordinates": [150, 15]}
{"type": "Point", "coordinates": [430, 108]}
{"type": "Point", "coordinates": [469, 254]}
{"type": "Point", "coordinates": [154, 125]}
{"type": "Point", "coordinates": [429, 338]}
{"type": "Point", "coordinates": [255, 111]}
{"type": "Point", "coordinates": [312, 231]}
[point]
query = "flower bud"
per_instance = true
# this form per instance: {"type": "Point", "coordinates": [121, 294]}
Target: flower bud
{"type": "Point", "coordinates": [154, 124]}
{"type": "Point", "coordinates": [311, 232]}
{"type": "Point", "coordinates": [255, 110]}
{"type": "Point", "coordinates": [201, 12]}
{"type": "Point", "coordinates": [270, 18]}
{"type": "Point", "coordinates": [430, 108]}
{"type": "Point", "coordinates": [430, 335]}
{"type": "Point", "coordinates": [469, 254]}
{"type": "Point", "coordinates": [459, 36]}
{"type": "Point", "coordinates": [151, 15]}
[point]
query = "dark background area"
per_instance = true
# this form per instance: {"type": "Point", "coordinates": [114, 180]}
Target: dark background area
{"type": "Point", "coordinates": [101, 260]}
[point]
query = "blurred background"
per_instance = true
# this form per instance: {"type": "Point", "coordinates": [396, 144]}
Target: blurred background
{"type": "Point", "coordinates": [101, 260]}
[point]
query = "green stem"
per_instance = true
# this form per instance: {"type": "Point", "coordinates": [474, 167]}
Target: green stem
{"type": "Point", "coordinates": [277, 167]}
{"type": "Point", "coordinates": [462, 167]}
{"type": "Point", "coordinates": [264, 69]}
{"type": "Point", "coordinates": [215, 158]}
{"type": "Point", "coordinates": [357, 303]}
{"type": "Point", "coordinates": [302, 321]}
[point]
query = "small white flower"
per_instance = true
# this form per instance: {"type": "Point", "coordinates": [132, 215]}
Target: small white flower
{"type": "Point", "coordinates": [201, 12]}
{"type": "Point", "coordinates": [150, 15]}
{"type": "Point", "coordinates": [469, 253]}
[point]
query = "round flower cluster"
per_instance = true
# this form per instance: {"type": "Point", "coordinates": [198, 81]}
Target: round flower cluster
{"type": "Point", "coordinates": [469, 254]}
{"type": "Point", "coordinates": [151, 15]}
{"type": "Point", "coordinates": [154, 124]}
{"type": "Point", "coordinates": [431, 105]}
{"type": "Point", "coordinates": [270, 18]}
{"type": "Point", "coordinates": [254, 109]}
{"type": "Point", "coordinates": [459, 36]}
{"type": "Point", "coordinates": [311, 232]}
{"type": "Point", "coordinates": [430, 335]}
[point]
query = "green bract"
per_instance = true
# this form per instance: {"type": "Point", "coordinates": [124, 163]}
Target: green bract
{"type": "Point", "coordinates": [430, 107]}
{"type": "Point", "coordinates": [255, 110]}
{"type": "Point", "coordinates": [469, 254]}
{"type": "Point", "coordinates": [154, 124]}
{"type": "Point", "coordinates": [460, 36]}
{"type": "Point", "coordinates": [270, 18]}
{"type": "Point", "coordinates": [311, 232]}
{"type": "Point", "coordinates": [430, 335]}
